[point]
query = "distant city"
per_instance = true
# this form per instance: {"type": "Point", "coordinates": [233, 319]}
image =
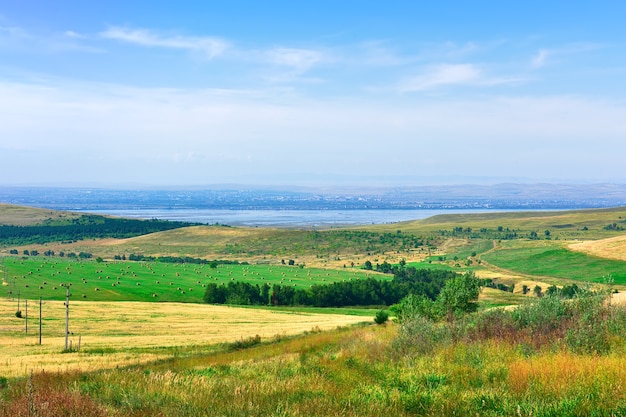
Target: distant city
{"type": "Point", "coordinates": [235, 197]}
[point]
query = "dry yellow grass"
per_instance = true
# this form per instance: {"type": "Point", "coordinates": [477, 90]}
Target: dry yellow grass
{"type": "Point", "coordinates": [23, 216]}
{"type": "Point", "coordinates": [565, 374]}
{"type": "Point", "coordinates": [116, 334]}
{"type": "Point", "coordinates": [610, 248]}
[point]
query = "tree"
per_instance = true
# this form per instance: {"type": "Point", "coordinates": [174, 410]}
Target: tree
{"type": "Point", "coordinates": [215, 294]}
{"type": "Point", "coordinates": [459, 295]}
{"type": "Point", "coordinates": [368, 265]}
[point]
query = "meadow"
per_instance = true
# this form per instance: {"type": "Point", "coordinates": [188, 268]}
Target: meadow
{"type": "Point", "coordinates": [351, 371]}
{"type": "Point", "coordinates": [142, 356]}
{"type": "Point", "coordinates": [554, 260]}
{"type": "Point", "coordinates": [113, 334]}
{"type": "Point", "coordinates": [35, 277]}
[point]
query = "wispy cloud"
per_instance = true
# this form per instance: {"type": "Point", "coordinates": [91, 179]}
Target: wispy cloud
{"type": "Point", "coordinates": [544, 56]}
{"type": "Point", "coordinates": [17, 38]}
{"type": "Point", "coordinates": [72, 34]}
{"type": "Point", "coordinates": [452, 74]}
{"type": "Point", "coordinates": [299, 60]}
{"type": "Point", "coordinates": [8, 33]}
{"type": "Point", "coordinates": [211, 46]}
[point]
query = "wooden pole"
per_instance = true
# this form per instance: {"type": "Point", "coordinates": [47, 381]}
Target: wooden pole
{"type": "Point", "coordinates": [39, 320]}
{"type": "Point", "coordinates": [67, 315]}
{"type": "Point", "coordinates": [26, 316]}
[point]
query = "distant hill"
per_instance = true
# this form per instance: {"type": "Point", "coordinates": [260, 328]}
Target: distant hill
{"type": "Point", "coordinates": [27, 216]}
{"type": "Point", "coordinates": [499, 196]}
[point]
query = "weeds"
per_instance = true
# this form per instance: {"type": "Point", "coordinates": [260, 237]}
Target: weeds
{"type": "Point", "coordinates": [482, 364]}
{"type": "Point", "coordinates": [246, 343]}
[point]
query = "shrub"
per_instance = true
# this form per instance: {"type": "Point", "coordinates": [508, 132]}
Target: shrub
{"type": "Point", "coordinates": [245, 343]}
{"type": "Point", "coordinates": [420, 335]}
{"type": "Point", "coordinates": [381, 317]}
{"type": "Point", "coordinates": [587, 324]}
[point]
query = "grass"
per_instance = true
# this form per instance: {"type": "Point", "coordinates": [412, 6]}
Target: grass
{"type": "Point", "coordinates": [36, 277]}
{"type": "Point", "coordinates": [175, 359]}
{"type": "Point", "coordinates": [553, 260]}
{"type": "Point", "coordinates": [566, 225]}
{"type": "Point", "coordinates": [116, 334]}
{"type": "Point", "coordinates": [347, 372]}
{"type": "Point", "coordinates": [25, 216]}
{"type": "Point", "coordinates": [334, 248]}
{"type": "Point", "coordinates": [611, 248]}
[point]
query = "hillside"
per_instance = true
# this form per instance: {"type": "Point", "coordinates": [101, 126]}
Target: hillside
{"type": "Point", "coordinates": [27, 216]}
{"type": "Point", "coordinates": [571, 224]}
{"type": "Point", "coordinates": [610, 248]}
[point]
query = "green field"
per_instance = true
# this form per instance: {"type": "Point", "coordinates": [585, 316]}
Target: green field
{"type": "Point", "coordinates": [174, 359]}
{"type": "Point", "coordinates": [149, 281]}
{"type": "Point", "coordinates": [555, 261]}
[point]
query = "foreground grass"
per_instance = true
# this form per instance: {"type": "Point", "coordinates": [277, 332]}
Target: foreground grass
{"type": "Point", "coordinates": [115, 334]}
{"type": "Point", "coordinates": [344, 372]}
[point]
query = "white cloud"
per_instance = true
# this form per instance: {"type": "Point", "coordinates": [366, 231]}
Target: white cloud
{"type": "Point", "coordinates": [211, 46]}
{"type": "Point", "coordinates": [442, 75]}
{"type": "Point", "coordinates": [452, 74]}
{"type": "Point", "coordinates": [299, 60]}
{"type": "Point", "coordinates": [72, 34]}
{"type": "Point", "coordinates": [166, 136]}
{"type": "Point", "coordinates": [377, 53]}
{"type": "Point", "coordinates": [539, 60]}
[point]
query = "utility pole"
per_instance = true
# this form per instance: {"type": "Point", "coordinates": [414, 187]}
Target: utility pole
{"type": "Point", "coordinates": [26, 316]}
{"type": "Point", "coordinates": [39, 320]}
{"type": "Point", "coordinates": [67, 314]}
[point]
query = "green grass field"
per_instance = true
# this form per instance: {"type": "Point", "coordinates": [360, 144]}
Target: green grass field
{"type": "Point", "coordinates": [149, 281]}
{"type": "Point", "coordinates": [555, 261]}
{"type": "Point", "coordinates": [165, 358]}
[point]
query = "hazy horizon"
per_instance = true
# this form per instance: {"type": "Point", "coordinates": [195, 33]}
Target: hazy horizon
{"type": "Point", "coordinates": [148, 94]}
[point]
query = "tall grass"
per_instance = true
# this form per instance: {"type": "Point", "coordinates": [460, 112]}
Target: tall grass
{"type": "Point", "coordinates": [484, 364]}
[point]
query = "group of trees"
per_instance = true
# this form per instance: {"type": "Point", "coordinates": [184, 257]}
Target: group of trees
{"type": "Point", "coordinates": [84, 227]}
{"type": "Point", "coordinates": [457, 297]}
{"type": "Point", "coordinates": [177, 260]}
{"type": "Point", "coordinates": [360, 292]}
{"type": "Point", "coordinates": [62, 254]}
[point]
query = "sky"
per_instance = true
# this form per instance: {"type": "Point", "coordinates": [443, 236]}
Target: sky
{"type": "Point", "coordinates": [193, 93]}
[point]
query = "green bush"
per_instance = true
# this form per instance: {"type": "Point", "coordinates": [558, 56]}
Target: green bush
{"type": "Point", "coordinates": [587, 324]}
{"type": "Point", "coordinates": [381, 317]}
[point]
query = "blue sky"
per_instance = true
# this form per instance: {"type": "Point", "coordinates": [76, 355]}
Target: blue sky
{"type": "Point", "coordinates": [331, 92]}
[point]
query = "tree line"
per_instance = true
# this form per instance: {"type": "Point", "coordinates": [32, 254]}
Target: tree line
{"type": "Point", "coordinates": [178, 260]}
{"type": "Point", "coordinates": [84, 227]}
{"type": "Point", "coordinates": [360, 292]}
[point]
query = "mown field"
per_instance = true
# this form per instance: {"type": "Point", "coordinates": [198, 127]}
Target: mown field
{"type": "Point", "coordinates": [44, 277]}
{"type": "Point", "coordinates": [556, 261]}
{"type": "Point", "coordinates": [113, 334]}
